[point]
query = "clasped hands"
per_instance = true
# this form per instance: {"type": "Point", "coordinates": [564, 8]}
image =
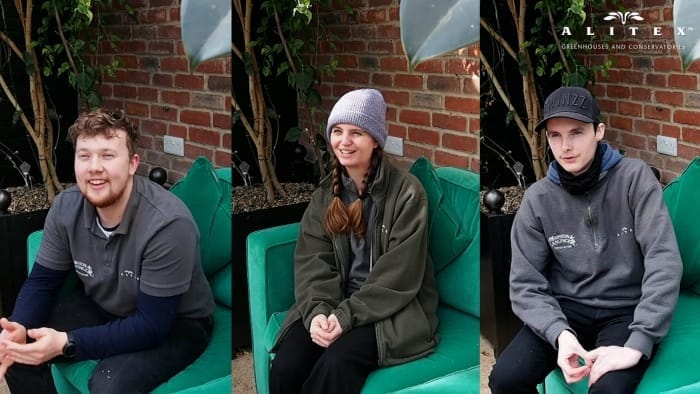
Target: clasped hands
{"type": "Point", "coordinates": [14, 347]}
{"type": "Point", "coordinates": [325, 330]}
{"type": "Point", "coordinates": [596, 363]}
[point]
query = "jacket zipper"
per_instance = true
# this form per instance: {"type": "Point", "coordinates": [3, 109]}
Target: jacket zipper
{"type": "Point", "coordinates": [590, 218]}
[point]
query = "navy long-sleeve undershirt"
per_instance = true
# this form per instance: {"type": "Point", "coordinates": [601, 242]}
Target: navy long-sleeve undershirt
{"type": "Point", "coordinates": [146, 328]}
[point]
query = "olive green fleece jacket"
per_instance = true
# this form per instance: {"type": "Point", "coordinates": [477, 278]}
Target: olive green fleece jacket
{"type": "Point", "coordinates": [399, 295]}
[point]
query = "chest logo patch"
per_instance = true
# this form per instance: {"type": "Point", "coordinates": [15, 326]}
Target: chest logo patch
{"type": "Point", "coordinates": [562, 241]}
{"type": "Point", "coordinates": [83, 269]}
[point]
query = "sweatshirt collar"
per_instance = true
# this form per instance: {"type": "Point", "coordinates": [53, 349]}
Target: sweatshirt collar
{"type": "Point", "coordinates": [610, 158]}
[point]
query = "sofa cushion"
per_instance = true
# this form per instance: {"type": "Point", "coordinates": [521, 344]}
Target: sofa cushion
{"type": "Point", "coordinates": [447, 238]}
{"type": "Point", "coordinates": [465, 381]}
{"type": "Point", "coordinates": [458, 349]}
{"type": "Point", "coordinates": [685, 216]}
{"type": "Point", "coordinates": [209, 199]}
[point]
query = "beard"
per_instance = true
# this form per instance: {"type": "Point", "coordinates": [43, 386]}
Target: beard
{"type": "Point", "coordinates": [104, 201]}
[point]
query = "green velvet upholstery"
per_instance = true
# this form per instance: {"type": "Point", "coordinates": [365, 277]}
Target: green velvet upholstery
{"type": "Point", "coordinates": [207, 192]}
{"type": "Point", "coordinates": [673, 369]}
{"type": "Point", "coordinates": [271, 286]}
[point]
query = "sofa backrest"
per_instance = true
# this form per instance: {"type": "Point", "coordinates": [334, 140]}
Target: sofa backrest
{"type": "Point", "coordinates": [453, 199]}
{"type": "Point", "coordinates": [680, 197]}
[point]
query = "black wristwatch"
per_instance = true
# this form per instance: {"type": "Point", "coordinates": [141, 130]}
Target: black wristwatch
{"type": "Point", "coordinates": [69, 347]}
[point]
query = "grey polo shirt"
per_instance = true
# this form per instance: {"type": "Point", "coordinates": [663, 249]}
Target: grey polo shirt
{"type": "Point", "coordinates": [155, 249]}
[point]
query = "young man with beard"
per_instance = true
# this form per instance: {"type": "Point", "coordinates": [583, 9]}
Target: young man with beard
{"type": "Point", "coordinates": [595, 267]}
{"type": "Point", "coordinates": [144, 306]}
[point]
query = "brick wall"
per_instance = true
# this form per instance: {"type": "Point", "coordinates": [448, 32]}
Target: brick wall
{"type": "Point", "coordinates": [435, 109]}
{"type": "Point", "coordinates": [647, 93]}
{"type": "Point", "coordinates": [159, 93]}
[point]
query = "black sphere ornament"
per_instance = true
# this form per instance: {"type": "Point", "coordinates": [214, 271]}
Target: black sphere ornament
{"type": "Point", "coordinates": [158, 175]}
{"type": "Point", "coordinates": [494, 200]}
{"type": "Point", "coordinates": [5, 200]}
{"type": "Point", "coordinates": [299, 152]}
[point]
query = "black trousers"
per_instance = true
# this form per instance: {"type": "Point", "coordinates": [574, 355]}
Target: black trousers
{"type": "Point", "coordinates": [301, 366]}
{"type": "Point", "coordinates": [137, 372]}
{"type": "Point", "coordinates": [528, 359]}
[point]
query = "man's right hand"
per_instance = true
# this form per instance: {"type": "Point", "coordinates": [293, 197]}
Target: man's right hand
{"type": "Point", "coordinates": [11, 332]}
{"type": "Point", "coordinates": [569, 356]}
{"type": "Point", "coordinates": [320, 330]}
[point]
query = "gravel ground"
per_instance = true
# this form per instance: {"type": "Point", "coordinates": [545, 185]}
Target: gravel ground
{"type": "Point", "coordinates": [29, 199]}
{"type": "Point", "coordinates": [243, 377]}
{"type": "Point", "coordinates": [250, 198]}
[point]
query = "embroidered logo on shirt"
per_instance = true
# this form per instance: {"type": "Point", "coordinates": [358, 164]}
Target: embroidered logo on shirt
{"type": "Point", "coordinates": [129, 274]}
{"type": "Point", "coordinates": [83, 269]}
{"type": "Point", "coordinates": [624, 230]}
{"type": "Point", "coordinates": [562, 241]}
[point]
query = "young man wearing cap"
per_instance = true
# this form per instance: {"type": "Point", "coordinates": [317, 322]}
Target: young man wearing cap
{"type": "Point", "coordinates": [595, 267]}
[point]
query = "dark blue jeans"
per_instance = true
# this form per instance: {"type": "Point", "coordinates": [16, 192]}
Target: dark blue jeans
{"type": "Point", "coordinates": [138, 372]}
{"type": "Point", "coordinates": [528, 359]}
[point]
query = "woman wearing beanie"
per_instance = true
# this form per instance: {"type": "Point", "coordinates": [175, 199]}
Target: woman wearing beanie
{"type": "Point", "coordinates": [364, 284]}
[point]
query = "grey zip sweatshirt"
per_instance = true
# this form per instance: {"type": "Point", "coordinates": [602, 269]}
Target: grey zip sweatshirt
{"type": "Point", "coordinates": [611, 247]}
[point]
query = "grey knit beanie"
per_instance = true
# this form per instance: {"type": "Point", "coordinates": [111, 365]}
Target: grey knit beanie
{"type": "Point", "coordinates": [364, 108]}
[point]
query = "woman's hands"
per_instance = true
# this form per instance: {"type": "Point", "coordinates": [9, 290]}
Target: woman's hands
{"type": "Point", "coordinates": [325, 330]}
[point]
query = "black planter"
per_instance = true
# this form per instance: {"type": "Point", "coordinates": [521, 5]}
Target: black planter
{"type": "Point", "coordinates": [244, 224]}
{"type": "Point", "coordinates": [14, 229]}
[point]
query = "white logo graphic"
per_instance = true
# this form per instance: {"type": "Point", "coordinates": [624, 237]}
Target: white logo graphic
{"type": "Point", "coordinates": [624, 18]}
{"type": "Point", "coordinates": [83, 269]}
{"type": "Point", "coordinates": [624, 230]}
{"type": "Point", "coordinates": [562, 241]}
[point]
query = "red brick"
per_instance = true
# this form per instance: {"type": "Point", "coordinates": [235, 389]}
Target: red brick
{"type": "Point", "coordinates": [430, 66]}
{"type": "Point", "coordinates": [620, 122]}
{"type": "Point", "coordinates": [163, 80]}
{"type": "Point", "coordinates": [187, 81]}
{"type": "Point", "coordinates": [423, 136]}
{"type": "Point", "coordinates": [687, 117]}
{"type": "Point", "coordinates": [458, 123]}
{"type": "Point", "coordinates": [389, 31]}
{"type": "Point", "coordinates": [618, 91]}
{"type": "Point", "coordinates": [169, 31]}
{"type": "Point", "coordinates": [646, 127]}
{"type": "Point", "coordinates": [634, 140]}
{"type": "Point", "coordinates": [206, 137]}
{"type": "Point", "coordinates": [657, 112]}
{"type": "Point", "coordinates": [470, 86]}
{"type": "Point", "coordinates": [640, 94]}
{"type": "Point", "coordinates": [399, 98]}
{"type": "Point", "coordinates": [397, 130]}
{"type": "Point", "coordinates": [213, 66]}
{"type": "Point", "coordinates": [691, 135]}
{"type": "Point", "coordinates": [159, 111]}
{"type": "Point", "coordinates": [408, 81]}
{"type": "Point", "coordinates": [140, 77]}
{"type": "Point", "coordinates": [133, 46]}
{"type": "Point", "coordinates": [395, 63]}
{"type": "Point", "coordinates": [145, 142]}
{"type": "Point", "coordinates": [177, 131]}
{"type": "Point", "coordinates": [195, 117]}
{"type": "Point", "coordinates": [347, 61]}
{"type": "Point", "coordinates": [681, 81]}
{"type": "Point", "coordinates": [124, 91]}
{"type": "Point", "coordinates": [670, 130]}
{"type": "Point", "coordinates": [176, 98]}
{"type": "Point", "coordinates": [462, 104]}
{"type": "Point", "coordinates": [474, 125]}
{"type": "Point", "coordinates": [667, 64]}
{"type": "Point", "coordinates": [443, 158]}
{"type": "Point", "coordinates": [444, 84]}
{"type": "Point", "coordinates": [382, 80]}
{"type": "Point", "coordinates": [688, 151]}
{"type": "Point", "coordinates": [656, 80]}
{"type": "Point", "coordinates": [222, 121]}
{"type": "Point", "coordinates": [669, 98]}
{"type": "Point", "coordinates": [197, 150]}
{"type": "Point", "coordinates": [416, 151]}
{"type": "Point", "coordinates": [136, 109]}
{"type": "Point", "coordinates": [153, 127]}
{"type": "Point", "coordinates": [355, 46]}
{"type": "Point", "coordinates": [459, 142]}
{"type": "Point", "coordinates": [358, 77]}
{"type": "Point", "coordinates": [382, 47]}
{"type": "Point", "coordinates": [226, 140]}
{"type": "Point", "coordinates": [627, 108]}
{"type": "Point", "coordinates": [621, 61]}
{"type": "Point", "coordinates": [171, 64]}
{"type": "Point", "coordinates": [147, 94]}
{"type": "Point", "coordinates": [415, 117]}
{"type": "Point", "coordinates": [222, 158]}
{"type": "Point", "coordinates": [154, 16]}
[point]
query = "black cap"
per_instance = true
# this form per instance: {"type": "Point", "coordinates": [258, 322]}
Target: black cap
{"type": "Point", "coordinates": [570, 102]}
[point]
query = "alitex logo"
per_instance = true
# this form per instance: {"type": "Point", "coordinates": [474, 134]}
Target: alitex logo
{"type": "Point", "coordinates": [627, 27]}
{"type": "Point", "coordinates": [625, 18]}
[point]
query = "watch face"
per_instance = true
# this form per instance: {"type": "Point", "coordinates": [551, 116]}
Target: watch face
{"type": "Point", "coordinates": [69, 348]}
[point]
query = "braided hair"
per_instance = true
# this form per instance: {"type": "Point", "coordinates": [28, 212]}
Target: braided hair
{"type": "Point", "coordinates": [340, 219]}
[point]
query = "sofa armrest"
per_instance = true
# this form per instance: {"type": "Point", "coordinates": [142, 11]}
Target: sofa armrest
{"type": "Point", "coordinates": [270, 259]}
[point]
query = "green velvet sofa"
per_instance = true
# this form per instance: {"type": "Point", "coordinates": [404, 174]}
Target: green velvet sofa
{"type": "Point", "coordinates": [207, 192]}
{"type": "Point", "coordinates": [454, 246]}
{"type": "Point", "coordinates": [673, 370]}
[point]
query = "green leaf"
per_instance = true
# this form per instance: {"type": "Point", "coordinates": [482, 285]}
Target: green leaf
{"type": "Point", "coordinates": [685, 15]}
{"type": "Point", "coordinates": [313, 98]}
{"type": "Point", "coordinates": [206, 29]}
{"type": "Point", "coordinates": [293, 134]}
{"type": "Point", "coordinates": [432, 28]}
